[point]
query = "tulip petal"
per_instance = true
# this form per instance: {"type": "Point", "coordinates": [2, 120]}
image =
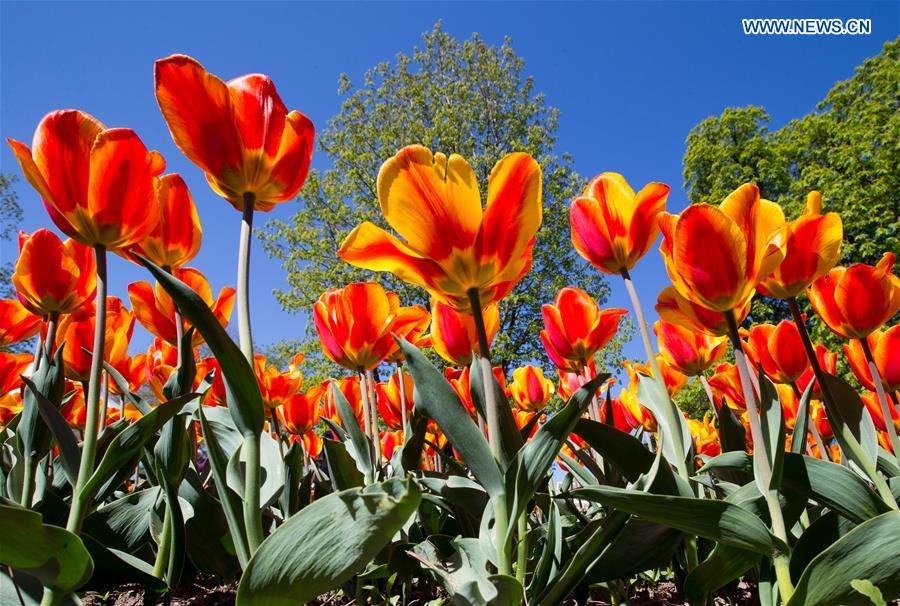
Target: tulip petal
{"type": "Point", "coordinates": [292, 160]}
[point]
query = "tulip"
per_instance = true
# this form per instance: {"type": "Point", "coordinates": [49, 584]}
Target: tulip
{"type": "Point", "coordinates": [453, 333]}
{"type": "Point", "coordinates": [812, 247]}
{"type": "Point", "coordinates": [885, 347]}
{"type": "Point", "coordinates": [706, 437]}
{"type": "Point", "coordinates": [156, 311]}
{"type": "Point", "coordinates": [239, 133]}
{"type": "Point", "coordinates": [275, 386]}
{"type": "Point", "coordinates": [215, 393]}
{"type": "Point", "coordinates": [16, 322]}
{"type": "Point", "coordinates": [175, 240]}
{"type": "Point", "coordinates": [688, 352]}
{"type": "Point", "coordinates": [300, 412]}
{"type": "Point", "coordinates": [746, 235]}
{"type": "Point", "coordinates": [312, 444]}
{"type": "Point", "coordinates": [676, 309]}
{"type": "Point", "coordinates": [575, 328]}
{"type": "Point", "coordinates": [612, 227]}
{"type": "Point", "coordinates": [827, 362]}
{"type": "Point", "coordinates": [12, 367]}
{"type": "Point", "coordinates": [410, 325]}
{"type": "Point", "coordinates": [530, 390]}
{"type": "Point", "coordinates": [623, 412]}
{"type": "Point", "coordinates": [159, 364]}
{"type": "Point", "coordinates": [389, 441]}
{"type": "Point", "coordinates": [133, 370]}
{"type": "Point", "coordinates": [10, 406]}
{"type": "Point", "coordinates": [778, 350]}
{"type": "Point", "coordinates": [392, 398]}
{"type": "Point", "coordinates": [454, 248]}
{"type": "Point", "coordinates": [350, 387]}
{"type": "Point", "coordinates": [52, 276]}
{"type": "Point", "coordinates": [355, 323]}
{"type": "Point", "coordinates": [873, 405]}
{"type": "Point", "coordinates": [673, 379]}
{"type": "Point", "coordinates": [96, 183]}
{"type": "Point", "coordinates": [77, 330]}
{"type": "Point", "coordinates": [726, 384]}
{"type": "Point", "coordinates": [460, 380]}
{"type": "Point", "coordinates": [857, 300]}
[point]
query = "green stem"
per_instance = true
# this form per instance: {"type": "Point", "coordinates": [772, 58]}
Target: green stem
{"type": "Point", "coordinates": [859, 455]}
{"type": "Point", "coordinates": [373, 406]}
{"type": "Point", "coordinates": [92, 405]}
{"type": "Point", "coordinates": [709, 395]}
{"type": "Point", "coordinates": [786, 588]}
{"type": "Point", "coordinates": [882, 399]}
{"type": "Point", "coordinates": [28, 481]}
{"type": "Point", "coordinates": [501, 513]}
{"type": "Point", "coordinates": [243, 278]}
{"type": "Point", "coordinates": [162, 554]}
{"type": "Point", "coordinates": [403, 419]}
{"type": "Point", "coordinates": [367, 421]}
{"type": "Point", "coordinates": [50, 343]}
{"type": "Point", "coordinates": [252, 512]}
{"type": "Point", "coordinates": [522, 549]}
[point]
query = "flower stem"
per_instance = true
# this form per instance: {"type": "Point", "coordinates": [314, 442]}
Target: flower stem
{"type": "Point", "coordinates": [882, 399]}
{"type": "Point", "coordinates": [403, 419]}
{"type": "Point", "coordinates": [92, 405]}
{"type": "Point", "coordinates": [252, 513]}
{"type": "Point", "coordinates": [243, 278]}
{"type": "Point", "coordinates": [367, 421]}
{"type": "Point", "coordinates": [50, 343]}
{"type": "Point", "coordinates": [785, 586]}
{"type": "Point", "coordinates": [501, 513]}
{"type": "Point", "coordinates": [709, 395]}
{"type": "Point", "coordinates": [376, 439]}
{"type": "Point", "coordinates": [868, 466]}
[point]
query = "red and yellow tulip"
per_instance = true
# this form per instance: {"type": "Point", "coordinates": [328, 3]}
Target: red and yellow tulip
{"type": "Point", "coordinates": [453, 333]}
{"type": "Point", "coordinates": [175, 240]}
{"type": "Point", "coordinates": [452, 245]}
{"type": "Point", "coordinates": [52, 276]}
{"type": "Point", "coordinates": [857, 300]}
{"type": "Point", "coordinates": [778, 350]}
{"type": "Point", "coordinates": [612, 227]}
{"type": "Point", "coordinates": [16, 322]}
{"type": "Point", "coordinates": [77, 332]}
{"type": "Point", "coordinates": [275, 386]}
{"type": "Point", "coordinates": [530, 389]}
{"type": "Point", "coordinates": [350, 387]}
{"type": "Point", "coordinates": [389, 402]}
{"type": "Point", "coordinates": [812, 247]}
{"type": "Point", "coordinates": [410, 324]}
{"type": "Point", "coordinates": [676, 309]}
{"type": "Point", "coordinates": [575, 328]}
{"type": "Point", "coordinates": [239, 133]}
{"type": "Point", "coordinates": [155, 309]}
{"type": "Point", "coordinates": [885, 348]}
{"type": "Point", "coordinates": [300, 412]}
{"type": "Point", "coordinates": [96, 182]}
{"type": "Point", "coordinates": [688, 352]}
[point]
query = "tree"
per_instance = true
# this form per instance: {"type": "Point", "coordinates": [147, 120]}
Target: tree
{"type": "Point", "coordinates": [10, 218]}
{"type": "Point", "coordinates": [848, 148]}
{"type": "Point", "coordinates": [469, 98]}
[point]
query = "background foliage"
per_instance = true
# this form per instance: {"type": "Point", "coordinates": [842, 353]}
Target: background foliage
{"type": "Point", "coordinates": [465, 97]}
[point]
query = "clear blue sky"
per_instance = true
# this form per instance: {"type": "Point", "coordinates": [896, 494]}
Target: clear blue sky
{"type": "Point", "coordinates": [630, 78]}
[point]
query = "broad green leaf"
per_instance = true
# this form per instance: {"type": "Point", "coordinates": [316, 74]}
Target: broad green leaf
{"type": "Point", "coordinates": [360, 446]}
{"type": "Point", "coordinates": [209, 544]}
{"type": "Point", "coordinates": [734, 459]}
{"type": "Point", "coordinates": [289, 501]}
{"type": "Point", "coordinates": [25, 590]}
{"type": "Point", "coordinates": [122, 384]}
{"type": "Point", "coordinates": [850, 415]}
{"type": "Point", "coordinates": [69, 452]}
{"type": "Point", "coordinates": [869, 552]}
{"type": "Point", "coordinates": [732, 435]}
{"type": "Point", "coordinates": [52, 554]}
{"type": "Point", "coordinates": [771, 423]}
{"type": "Point", "coordinates": [127, 445]}
{"type": "Point", "coordinates": [724, 564]}
{"type": "Point", "coordinates": [341, 467]}
{"type": "Point", "coordinates": [818, 536]}
{"type": "Point", "coordinates": [408, 459]}
{"type": "Point", "coordinates": [271, 469]}
{"type": "Point", "coordinates": [113, 568]}
{"type": "Point", "coordinates": [438, 400]}
{"type": "Point", "coordinates": [510, 438]}
{"type": "Point", "coordinates": [48, 382]}
{"type": "Point", "coordinates": [550, 560]}
{"type": "Point", "coordinates": [640, 546]}
{"type": "Point", "coordinates": [326, 543]}
{"type": "Point", "coordinates": [865, 587]}
{"type": "Point", "coordinates": [244, 400]}
{"type": "Point", "coordinates": [124, 524]}
{"type": "Point", "coordinates": [801, 424]}
{"type": "Point", "coordinates": [676, 441]}
{"type": "Point", "coordinates": [832, 485]}
{"type": "Point", "coordinates": [718, 521]}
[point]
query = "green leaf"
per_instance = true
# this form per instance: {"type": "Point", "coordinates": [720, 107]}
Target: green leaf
{"type": "Point", "coordinates": [676, 442]}
{"type": "Point", "coordinates": [25, 590]}
{"type": "Point", "coordinates": [122, 384]}
{"type": "Point", "coordinates": [439, 401]}
{"type": "Point", "coordinates": [69, 452]}
{"type": "Point", "coordinates": [734, 459]}
{"type": "Point", "coordinates": [818, 536]}
{"type": "Point", "coordinates": [127, 445]}
{"type": "Point", "coordinates": [360, 446]}
{"type": "Point", "coordinates": [124, 524]}
{"type": "Point", "coordinates": [510, 438]}
{"type": "Point", "coordinates": [718, 521]}
{"type": "Point", "coordinates": [772, 432]}
{"type": "Point", "coordinates": [801, 425]}
{"type": "Point", "coordinates": [724, 564]}
{"type": "Point", "coordinates": [341, 467]}
{"type": "Point", "coordinates": [242, 390]}
{"type": "Point", "coordinates": [113, 568]}
{"type": "Point", "coordinates": [832, 485]}
{"type": "Point", "coordinates": [209, 544]}
{"type": "Point", "coordinates": [49, 382]}
{"type": "Point", "coordinates": [327, 543]}
{"type": "Point", "coordinates": [865, 587]}
{"type": "Point", "coordinates": [271, 470]}
{"type": "Point", "coordinates": [869, 552]}
{"type": "Point", "coordinates": [849, 414]}
{"type": "Point", "coordinates": [52, 554]}
{"type": "Point", "coordinates": [732, 435]}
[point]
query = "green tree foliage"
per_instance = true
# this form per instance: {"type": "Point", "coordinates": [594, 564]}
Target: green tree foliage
{"type": "Point", "coordinates": [10, 219]}
{"type": "Point", "coordinates": [466, 97]}
{"type": "Point", "coordinates": [848, 148]}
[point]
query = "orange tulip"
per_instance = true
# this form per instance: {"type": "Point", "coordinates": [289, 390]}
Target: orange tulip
{"type": "Point", "coordinates": [857, 300]}
{"type": "Point", "coordinates": [523, 418]}
{"type": "Point", "coordinates": [885, 347]}
{"type": "Point", "coordinates": [459, 379]}
{"type": "Point", "coordinates": [530, 390]}
{"type": "Point", "coordinates": [672, 377]}
{"type": "Point", "coordinates": [870, 400]}
{"type": "Point", "coordinates": [819, 417]}
{"type": "Point", "coordinates": [239, 133]}
{"type": "Point", "coordinates": [312, 443]}
{"type": "Point", "coordinates": [726, 384]}
{"type": "Point", "coordinates": [410, 324]}
{"type": "Point", "coordinates": [623, 417]}
{"type": "Point", "coordinates": [570, 382]}
{"type": "Point", "coordinates": [390, 441]}
{"type": "Point", "coordinates": [690, 353]}
{"type": "Point", "coordinates": [716, 255]}
{"type": "Point", "coordinates": [349, 386]}
{"type": "Point", "coordinates": [827, 362]}
{"type": "Point", "coordinates": [612, 227]}
{"type": "Point", "coordinates": [52, 276]}
{"type": "Point", "coordinates": [155, 309]}
{"type": "Point", "coordinates": [790, 404]}
{"type": "Point", "coordinates": [300, 412]}
{"type": "Point", "coordinates": [453, 333]}
{"type": "Point", "coordinates": [10, 406]}
{"type": "Point", "coordinates": [96, 183]}
{"type": "Point", "coordinates": [133, 370]}
{"type": "Point", "coordinates": [675, 309]}
{"type": "Point", "coordinates": [778, 350]}
{"type": "Point", "coordinates": [705, 435]}
{"type": "Point", "coordinates": [575, 328]}
{"type": "Point", "coordinates": [389, 402]}
{"type": "Point", "coordinates": [12, 367]}
{"type": "Point", "coordinates": [16, 322]}
{"type": "Point", "coordinates": [355, 323]}
{"type": "Point", "coordinates": [813, 245]}
{"type": "Point", "coordinates": [275, 386]}
{"type": "Point", "coordinates": [176, 238]}
{"type": "Point", "coordinates": [453, 245]}
{"type": "Point", "coordinates": [215, 394]}
{"type": "Point", "coordinates": [159, 364]}
{"type": "Point", "coordinates": [77, 332]}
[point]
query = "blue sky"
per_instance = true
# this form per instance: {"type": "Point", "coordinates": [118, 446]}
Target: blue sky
{"type": "Point", "coordinates": [631, 79]}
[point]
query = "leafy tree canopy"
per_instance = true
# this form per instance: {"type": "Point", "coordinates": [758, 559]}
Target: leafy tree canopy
{"type": "Point", "coordinates": [466, 97]}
